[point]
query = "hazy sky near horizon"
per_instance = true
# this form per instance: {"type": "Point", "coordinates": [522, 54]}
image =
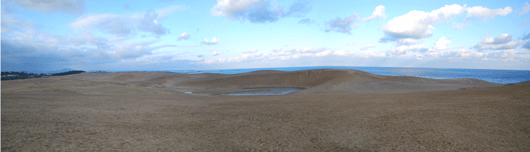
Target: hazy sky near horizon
{"type": "Point", "coordinates": [44, 35]}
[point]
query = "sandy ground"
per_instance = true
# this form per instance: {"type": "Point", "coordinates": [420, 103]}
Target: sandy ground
{"type": "Point", "coordinates": [337, 111]}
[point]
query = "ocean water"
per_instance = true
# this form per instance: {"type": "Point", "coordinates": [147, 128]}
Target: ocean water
{"type": "Point", "coordinates": [496, 76]}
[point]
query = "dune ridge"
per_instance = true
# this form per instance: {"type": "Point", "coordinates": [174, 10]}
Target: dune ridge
{"type": "Point", "coordinates": [333, 81]}
{"type": "Point", "coordinates": [338, 111]}
{"type": "Point", "coordinates": [318, 81]}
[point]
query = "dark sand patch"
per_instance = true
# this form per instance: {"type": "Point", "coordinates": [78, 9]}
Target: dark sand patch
{"type": "Point", "coordinates": [123, 77]}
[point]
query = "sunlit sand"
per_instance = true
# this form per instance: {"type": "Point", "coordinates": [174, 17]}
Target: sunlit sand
{"type": "Point", "coordinates": [334, 110]}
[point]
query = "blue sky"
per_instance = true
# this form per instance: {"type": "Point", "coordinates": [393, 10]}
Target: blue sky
{"type": "Point", "coordinates": [45, 35]}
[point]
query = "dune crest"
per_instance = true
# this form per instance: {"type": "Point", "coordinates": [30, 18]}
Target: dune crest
{"type": "Point", "coordinates": [318, 81]}
{"type": "Point", "coordinates": [339, 110]}
{"type": "Point", "coordinates": [333, 81]}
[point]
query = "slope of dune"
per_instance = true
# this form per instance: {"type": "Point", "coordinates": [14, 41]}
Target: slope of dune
{"type": "Point", "coordinates": [144, 111]}
{"type": "Point", "coordinates": [319, 81]}
{"type": "Point", "coordinates": [333, 81]}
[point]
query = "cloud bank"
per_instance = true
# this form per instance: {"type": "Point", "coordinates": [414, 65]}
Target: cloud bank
{"type": "Point", "coordinates": [419, 24]}
{"type": "Point", "coordinates": [127, 25]}
{"type": "Point", "coordinates": [257, 11]}
{"type": "Point", "coordinates": [183, 36]}
{"type": "Point", "coordinates": [345, 25]}
{"type": "Point", "coordinates": [211, 42]}
{"type": "Point", "coordinates": [50, 6]}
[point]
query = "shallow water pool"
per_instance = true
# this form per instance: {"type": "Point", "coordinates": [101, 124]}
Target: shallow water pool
{"type": "Point", "coordinates": [265, 91]}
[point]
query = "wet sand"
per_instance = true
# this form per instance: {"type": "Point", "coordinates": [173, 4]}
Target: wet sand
{"type": "Point", "coordinates": [340, 110]}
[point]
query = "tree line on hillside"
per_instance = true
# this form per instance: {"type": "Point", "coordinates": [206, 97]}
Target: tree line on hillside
{"type": "Point", "coordinates": [12, 75]}
{"type": "Point", "coordinates": [68, 73]}
{"type": "Point", "coordinates": [19, 73]}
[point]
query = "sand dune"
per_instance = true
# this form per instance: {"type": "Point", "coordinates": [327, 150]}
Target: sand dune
{"type": "Point", "coordinates": [334, 81]}
{"type": "Point", "coordinates": [340, 110]}
{"type": "Point", "coordinates": [319, 81]}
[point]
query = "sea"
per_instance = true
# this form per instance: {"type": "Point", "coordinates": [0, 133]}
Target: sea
{"type": "Point", "coordinates": [491, 75]}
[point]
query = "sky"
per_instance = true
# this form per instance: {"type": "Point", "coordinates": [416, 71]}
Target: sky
{"type": "Point", "coordinates": [47, 35]}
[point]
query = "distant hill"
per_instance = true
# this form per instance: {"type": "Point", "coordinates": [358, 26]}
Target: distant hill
{"type": "Point", "coordinates": [12, 75]}
{"type": "Point", "coordinates": [68, 73]}
{"type": "Point", "coordinates": [61, 71]}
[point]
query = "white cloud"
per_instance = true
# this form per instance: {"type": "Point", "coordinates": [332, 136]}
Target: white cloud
{"type": "Point", "coordinates": [306, 21]}
{"type": "Point", "coordinates": [351, 44]}
{"type": "Point", "coordinates": [298, 8]}
{"type": "Point", "coordinates": [184, 36]}
{"type": "Point", "coordinates": [85, 45]}
{"type": "Point", "coordinates": [256, 11]}
{"type": "Point", "coordinates": [509, 45]}
{"type": "Point", "coordinates": [367, 47]}
{"type": "Point", "coordinates": [216, 53]}
{"type": "Point", "coordinates": [10, 23]}
{"type": "Point", "coordinates": [441, 44]}
{"type": "Point", "coordinates": [167, 11]}
{"type": "Point", "coordinates": [150, 24]}
{"type": "Point", "coordinates": [526, 8]}
{"type": "Point", "coordinates": [129, 50]}
{"type": "Point", "coordinates": [506, 55]}
{"type": "Point", "coordinates": [501, 42]}
{"type": "Point", "coordinates": [526, 37]}
{"type": "Point", "coordinates": [48, 6]}
{"type": "Point", "coordinates": [418, 24]}
{"type": "Point", "coordinates": [50, 52]}
{"type": "Point", "coordinates": [250, 51]}
{"type": "Point", "coordinates": [404, 49]}
{"type": "Point", "coordinates": [525, 21]}
{"type": "Point", "coordinates": [368, 54]}
{"type": "Point", "coordinates": [235, 8]}
{"type": "Point", "coordinates": [323, 53]}
{"type": "Point", "coordinates": [408, 41]}
{"type": "Point", "coordinates": [503, 38]}
{"type": "Point", "coordinates": [106, 23]}
{"type": "Point", "coordinates": [213, 41]}
{"type": "Point", "coordinates": [484, 13]}
{"type": "Point", "coordinates": [210, 49]}
{"type": "Point", "coordinates": [379, 12]}
{"type": "Point", "coordinates": [365, 54]}
{"type": "Point", "coordinates": [527, 45]}
{"type": "Point", "coordinates": [124, 25]}
{"type": "Point", "coordinates": [451, 54]}
{"type": "Point", "coordinates": [481, 13]}
{"type": "Point", "coordinates": [298, 52]}
{"type": "Point", "coordinates": [342, 53]}
{"type": "Point", "coordinates": [419, 52]}
{"type": "Point", "coordinates": [241, 58]}
{"type": "Point", "coordinates": [89, 39]}
{"type": "Point", "coordinates": [461, 53]}
{"type": "Point", "coordinates": [343, 25]}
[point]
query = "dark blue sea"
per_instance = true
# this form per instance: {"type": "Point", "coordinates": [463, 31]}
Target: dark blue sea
{"type": "Point", "coordinates": [497, 76]}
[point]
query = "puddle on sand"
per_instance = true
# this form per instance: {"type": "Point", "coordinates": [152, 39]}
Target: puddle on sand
{"type": "Point", "coordinates": [265, 91]}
